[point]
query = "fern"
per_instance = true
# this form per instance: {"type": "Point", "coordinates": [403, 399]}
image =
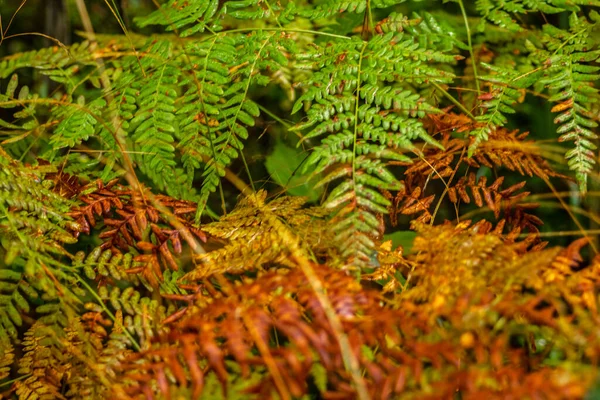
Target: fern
{"type": "Point", "coordinates": [7, 356]}
{"type": "Point", "coordinates": [507, 88]}
{"type": "Point", "coordinates": [368, 118]}
{"type": "Point", "coordinates": [253, 241]}
{"type": "Point", "coordinates": [430, 30]}
{"type": "Point", "coordinates": [95, 354]}
{"type": "Point", "coordinates": [76, 126]}
{"type": "Point", "coordinates": [34, 230]}
{"type": "Point", "coordinates": [216, 119]}
{"type": "Point", "coordinates": [332, 7]}
{"type": "Point", "coordinates": [570, 77]}
{"type": "Point", "coordinates": [49, 59]}
{"type": "Point", "coordinates": [154, 126]}
{"type": "Point", "coordinates": [191, 17]}
{"type": "Point", "coordinates": [142, 316]}
{"type": "Point", "coordinates": [499, 12]}
{"type": "Point", "coordinates": [176, 16]}
{"type": "Point", "coordinates": [44, 363]}
{"type": "Point", "coordinates": [126, 271]}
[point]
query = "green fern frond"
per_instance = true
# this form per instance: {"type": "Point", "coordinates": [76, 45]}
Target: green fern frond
{"type": "Point", "coordinates": [329, 8]}
{"type": "Point", "coordinates": [24, 122]}
{"type": "Point", "coordinates": [15, 297]}
{"type": "Point", "coordinates": [105, 263]}
{"type": "Point", "coordinates": [47, 59]}
{"type": "Point", "coordinates": [507, 86]}
{"type": "Point", "coordinates": [154, 126]}
{"type": "Point", "coordinates": [142, 316]}
{"type": "Point", "coordinates": [34, 229]}
{"type": "Point", "coordinates": [76, 123]}
{"type": "Point", "coordinates": [177, 15]}
{"type": "Point", "coordinates": [370, 114]}
{"type": "Point", "coordinates": [570, 76]}
{"type": "Point", "coordinates": [430, 30]}
{"type": "Point", "coordinates": [21, 292]}
{"type": "Point", "coordinates": [194, 16]}
{"type": "Point", "coordinates": [215, 120]}
{"type": "Point", "coordinates": [500, 12]}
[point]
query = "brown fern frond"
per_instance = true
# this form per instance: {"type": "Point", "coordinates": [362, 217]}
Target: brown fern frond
{"type": "Point", "coordinates": [497, 199]}
{"type": "Point", "coordinates": [414, 204]}
{"type": "Point", "coordinates": [391, 261]}
{"type": "Point", "coordinates": [438, 336]}
{"type": "Point", "coordinates": [464, 259]}
{"type": "Point", "coordinates": [131, 223]}
{"type": "Point", "coordinates": [531, 242]}
{"type": "Point", "coordinates": [99, 203]}
{"type": "Point", "coordinates": [526, 294]}
{"type": "Point", "coordinates": [254, 313]}
{"type": "Point", "coordinates": [504, 148]}
{"type": "Point", "coordinates": [510, 149]}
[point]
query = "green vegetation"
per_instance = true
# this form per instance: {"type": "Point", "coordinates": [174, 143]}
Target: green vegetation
{"type": "Point", "coordinates": [252, 199]}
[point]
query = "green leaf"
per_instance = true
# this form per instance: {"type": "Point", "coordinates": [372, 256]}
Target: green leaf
{"type": "Point", "coordinates": [402, 238]}
{"type": "Point", "coordinates": [282, 164]}
{"type": "Point", "coordinates": [319, 374]}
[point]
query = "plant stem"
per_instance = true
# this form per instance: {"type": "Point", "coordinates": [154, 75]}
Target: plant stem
{"type": "Point", "coordinates": [453, 100]}
{"type": "Point", "coordinates": [350, 360]}
{"type": "Point", "coordinates": [357, 98]}
{"type": "Point", "coordinates": [105, 80]}
{"type": "Point", "coordinates": [134, 342]}
{"type": "Point", "coordinates": [470, 44]}
{"type": "Point", "coordinates": [20, 378]}
{"type": "Point", "coordinates": [285, 30]}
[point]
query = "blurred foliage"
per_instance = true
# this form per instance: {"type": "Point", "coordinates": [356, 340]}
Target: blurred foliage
{"type": "Point", "coordinates": [299, 199]}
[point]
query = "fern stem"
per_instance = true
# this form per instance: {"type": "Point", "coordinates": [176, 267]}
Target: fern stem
{"type": "Point", "coordinates": [58, 42]}
{"type": "Point", "coordinates": [263, 348]}
{"type": "Point", "coordinates": [20, 378]}
{"type": "Point", "coordinates": [95, 295]}
{"type": "Point", "coordinates": [590, 232]}
{"type": "Point", "coordinates": [350, 360]}
{"type": "Point", "coordinates": [106, 84]}
{"type": "Point", "coordinates": [370, 18]}
{"type": "Point", "coordinates": [573, 217]}
{"type": "Point", "coordinates": [247, 171]}
{"type": "Point", "coordinates": [453, 100]}
{"type": "Point", "coordinates": [470, 44]}
{"type": "Point", "coordinates": [176, 223]}
{"type": "Point", "coordinates": [239, 182]}
{"type": "Point", "coordinates": [241, 30]}
{"type": "Point", "coordinates": [117, 16]}
{"type": "Point", "coordinates": [569, 39]}
{"type": "Point", "coordinates": [222, 195]}
{"type": "Point", "coordinates": [272, 13]}
{"type": "Point", "coordinates": [297, 254]}
{"type": "Point", "coordinates": [446, 185]}
{"type": "Point", "coordinates": [354, 146]}
{"type": "Point", "coordinates": [5, 31]}
{"type": "Point", "coordinates": [287, 125]}
{"type": "Point", "coordinates": [200, 88]}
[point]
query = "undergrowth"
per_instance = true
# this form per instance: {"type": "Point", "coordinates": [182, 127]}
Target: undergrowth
{"type": "Point", "coordinates": [255, 199]}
